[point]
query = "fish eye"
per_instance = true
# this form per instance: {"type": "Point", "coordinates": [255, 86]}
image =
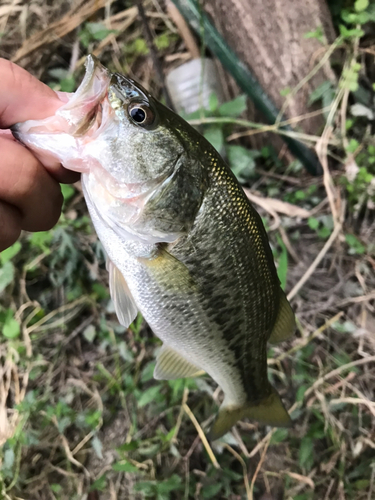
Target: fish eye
{"type": "Point", "coordinates": [141, 114]}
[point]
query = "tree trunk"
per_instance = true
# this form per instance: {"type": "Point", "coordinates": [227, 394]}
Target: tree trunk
{"type": "Point", "coordinates": [268, 35]}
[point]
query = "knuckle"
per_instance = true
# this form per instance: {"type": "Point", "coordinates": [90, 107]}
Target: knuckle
{"type": "Point", "coordinates": [10, 225]}
{"type": "Point", "coordinates": [53, 209]}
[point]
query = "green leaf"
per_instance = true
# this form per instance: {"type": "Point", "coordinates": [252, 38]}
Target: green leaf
{"type": "Point", "coordinates": [324, 90]}
{"type": "Point", "coordinates": [242, 161]}
{"type": "Point", "coordinates": [98, 31]}
{"type": "Point", "coordinates": [133, 445]}
{"type": "Point", "coordinates": [211, 490]}
{"type": "Point", "coordinates": [234, 108]}
{"type": "Point", "coordinates": [8, 254]}
{"type": "Point", "coordinates": [146, 487]}
{"type": "Point", "coordinates": [306, 451]}
{"type": "Point", "coordinates": [6, 275]}
{"type": "Point", "coordinates": [68, 84]}
{"type": "Point", "coordinates": [100, 484]}
{"type": "Point", "coordinates": [58, 73]}
{"type": "Point", "coordinates": [138, 47]}
{"type": "Point", "coordinates": [361, 5]}
{"type": "Point", "coordinates": [89, 333]}
{"type": "Point", "coordinates": [213, 102]}
{"type": "Point", "coordinates": [124, 467]}
{"type": "Point", "coordinates": [100, 291]}
{"type": "Point", "coordinates": [149, 395]}
{"type": "Point", "coordinates": [215, 136]}
{"type": "Point", "coordinates": [313, 223]}
{"type": "Point", "coordinates": [285, 91]}
{"type": "Point", "coordinates": [171, 484]}
{"type": "Point", "coordinates": [97, 446]}
{"type": "Point", "coordinates": [282, 268]}
{"type": "Point", "coordinates": [318, 34]}
{"type": "Point", "coordinates": [11, 328]}
{"type": "Point", "coordinates": [355, 245]}
{"type": "Point", "coordinates": [125, 352]}
{"type": "Point", "coordinates": [67, 191]}
{"type": "Point", "coordinates": [42, 240]}
{"type": "Point", "coordinates": [8, 459]}
{"type": "Point", "coordinates": [56, 488]}
{"type": "Point", "coordinates": [164, 40]}
{"type": "Point", "coordinates": [279, 435]}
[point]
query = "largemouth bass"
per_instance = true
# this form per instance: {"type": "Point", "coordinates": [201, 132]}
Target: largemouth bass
{"type": "Point", "coordinates": [185, 246]}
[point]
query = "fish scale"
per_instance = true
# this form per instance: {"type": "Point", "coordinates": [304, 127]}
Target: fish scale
{"type": "Point", "coordinates": [185, 246]}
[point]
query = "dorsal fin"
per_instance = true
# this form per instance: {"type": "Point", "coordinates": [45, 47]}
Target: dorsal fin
{"type": "Point", "coordinates": [285, 323]}
{"type": "Point", "coordinates": [123, 301]}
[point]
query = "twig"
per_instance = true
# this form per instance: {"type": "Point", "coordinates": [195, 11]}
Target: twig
{"type": "Point", "coordinates": [153, 52]}
{"type": "Point", "coordinates": [261, 126]}
{"type": "Point", "coordinates": [316, 262]}
{"type": "Point", "coordinates": [86, 322]}
{"type": "Point", "coordinates": [259, 466]}
{"type": "Point", "coordinates": [300, 84]}
{"type": "Point", "coordinates": [240, 443]}
{"type": "Point", "coordinates": [183, 30]}
{"type": "Point", "coordinates": [355, 401]}
{"type": "Point", "coordinates": [308, 339]}
{"type": "Point", "coordinates": [289, 121]}
{"type": "Point", "coordinates": [321, 150]}
{"type": "Point", "coordinates": [202, 436]}
{"type": "Point", "coordinates": [337, 371]}
{"type": "Point", "coordinates": [60, 28]}
{"type": "Point", "coordinates": [249, 493]}
{"type": "Point", "coordinates": [261, 443]}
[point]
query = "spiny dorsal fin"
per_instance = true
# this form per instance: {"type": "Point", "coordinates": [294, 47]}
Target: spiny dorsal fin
{"type": "Point", "coordinates": [270, 411]}
{"type": "Point", "coordinates": [123, 301]}
{"type": "Point", "coordinates": [285, 323]}
{"type": "Point", "coordinates": [171, 365]}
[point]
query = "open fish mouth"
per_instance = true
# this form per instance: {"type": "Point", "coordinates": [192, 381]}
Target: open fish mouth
{"type": "Point", "coordinates": [84, 111]}
{"type": "Point", "coordinates": [80, 120]}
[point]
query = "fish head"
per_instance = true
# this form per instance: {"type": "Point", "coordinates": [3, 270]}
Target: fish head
{"type": "Point", "coordinates": [141, 174]}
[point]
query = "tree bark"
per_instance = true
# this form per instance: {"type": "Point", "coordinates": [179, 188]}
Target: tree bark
{"type": "Point", "coordinates": [268, 35]}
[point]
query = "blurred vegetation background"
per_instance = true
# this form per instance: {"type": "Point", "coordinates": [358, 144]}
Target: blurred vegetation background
{"type": "Point", "coordinates": [81, 416]}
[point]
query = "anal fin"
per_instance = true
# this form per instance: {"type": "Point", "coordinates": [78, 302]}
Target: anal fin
{"type": "Point", "coordinates": [269, 411]}
{"type": "Point", "coordinates": [123, 301]}
{"type": "Point", "coordinates": [171, 365]}
{"type": "Point", "coordinates": [285, 324]}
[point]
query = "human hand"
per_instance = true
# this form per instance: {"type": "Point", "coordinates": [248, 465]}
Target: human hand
{"type": "Point", "coordinates": [30, 194]}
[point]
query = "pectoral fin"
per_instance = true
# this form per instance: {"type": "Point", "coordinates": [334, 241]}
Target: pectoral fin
{"type": "Point", "coordinates": [169, 273]}
{"type": "Point", "coordinates": [285, 323]}
{"type": "Point", "coordinates": [123, 301]}
{"type": "Point", "coordinates": [270, 411]}
{"type": "Point", "coordinates": [171, 365]}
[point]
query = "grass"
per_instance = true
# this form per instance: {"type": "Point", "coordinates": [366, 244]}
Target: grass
{"type": "Point", "coordinates": [80, 413]}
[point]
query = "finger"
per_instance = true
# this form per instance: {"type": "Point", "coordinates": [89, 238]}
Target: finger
{"type": "Point", "coordinates": [22, 98]}
{"type": "Point", "coordinates": [10, 225]}
{"type": "Point", "coordinates": [27, 185]}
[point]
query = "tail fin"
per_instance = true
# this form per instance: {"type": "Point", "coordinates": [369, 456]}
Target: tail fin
{"type": "Point", "coordinates": [269, 411]}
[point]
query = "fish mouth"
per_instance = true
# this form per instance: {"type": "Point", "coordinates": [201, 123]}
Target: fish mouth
{"type": "Point", "coordinates": [85, 110]}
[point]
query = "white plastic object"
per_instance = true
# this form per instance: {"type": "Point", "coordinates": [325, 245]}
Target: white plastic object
{"type": "Point", "coordinates": [191, 85]}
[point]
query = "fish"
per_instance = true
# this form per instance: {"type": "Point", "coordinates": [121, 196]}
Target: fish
{"type": "Point", "coordinates": [185, 246]}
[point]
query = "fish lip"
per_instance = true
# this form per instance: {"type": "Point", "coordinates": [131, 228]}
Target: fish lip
{"type": "Point", "coordinates": [93, 68]}
{"type": "Point", "coordinates": [88, 97]}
